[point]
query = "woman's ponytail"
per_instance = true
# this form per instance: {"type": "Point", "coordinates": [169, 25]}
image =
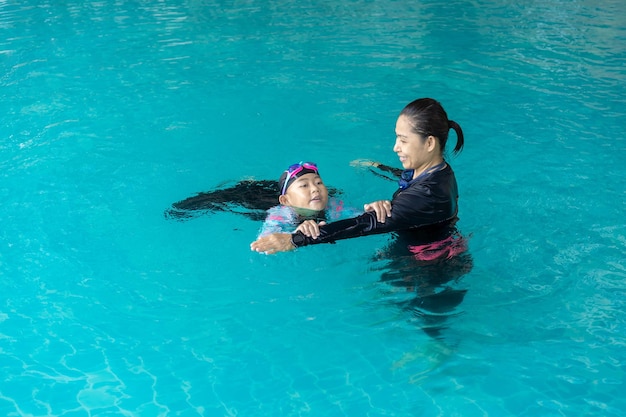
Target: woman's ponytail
{"type": "Point", "coordinates": [460, 141]}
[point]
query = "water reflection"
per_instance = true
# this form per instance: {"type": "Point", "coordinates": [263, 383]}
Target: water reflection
{"type": "Point", "coordinates": [434, 281]}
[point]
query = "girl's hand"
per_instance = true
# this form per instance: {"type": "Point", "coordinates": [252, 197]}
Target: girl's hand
{"type": "Point", "coordinates": [382, 208]}
{"type": "Point", "coordinates": [275, 242]}
{"type": "Point", "coordinates": [310, 228]}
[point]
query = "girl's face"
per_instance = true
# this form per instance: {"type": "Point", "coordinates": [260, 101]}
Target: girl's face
{"type": "Point", "coordinates": [307, 191]}
{"type": "Point", "coordinates": [414, 151]}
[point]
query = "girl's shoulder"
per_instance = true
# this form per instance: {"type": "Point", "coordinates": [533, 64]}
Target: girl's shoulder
{"type": "Point", "coordinates": [279, 219]}
{"type": "Point", "coordinates": [337, 210]}
{"type": "Point", "coordinates": [281, 213]}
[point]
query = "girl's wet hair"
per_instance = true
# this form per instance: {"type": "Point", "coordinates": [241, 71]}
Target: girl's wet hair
{"type": "Point", "coordinates": [250, 198]}
{"type": "Point", "coordinates": [428, 118]}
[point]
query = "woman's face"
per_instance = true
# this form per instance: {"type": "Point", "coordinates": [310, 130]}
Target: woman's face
{"type": "Point", "coordinates": [307, 191]}
{"type": "Point", "coordinates": [414, 151]}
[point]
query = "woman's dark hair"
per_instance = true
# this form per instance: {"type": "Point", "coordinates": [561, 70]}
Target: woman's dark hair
{"type": "Point", "coordinates": [428, 118]}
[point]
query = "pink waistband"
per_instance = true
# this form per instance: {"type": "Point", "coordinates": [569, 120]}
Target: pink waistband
{"type": "Point", "coordinates": [446, 248]}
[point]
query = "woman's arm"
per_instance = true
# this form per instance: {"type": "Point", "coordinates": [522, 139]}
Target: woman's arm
{"type": "Point", "coordinates": [342, 229]}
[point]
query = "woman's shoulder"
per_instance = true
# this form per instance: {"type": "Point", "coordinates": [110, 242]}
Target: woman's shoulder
{"type": "Point", "coordinates": [429, 185]}
{"type": "Point", "coordinates": [438, 186]}
{"type": "Point", "coordinates": [443, 174]}
{"type": "Point", "coordinates": [446, 175]}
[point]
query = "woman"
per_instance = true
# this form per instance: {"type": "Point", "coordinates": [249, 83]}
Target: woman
{"type": "Point", "coordinates": [423, 211]}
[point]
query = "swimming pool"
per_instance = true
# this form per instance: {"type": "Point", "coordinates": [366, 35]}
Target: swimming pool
{"type": "Point", "coordinates": [112, 111]}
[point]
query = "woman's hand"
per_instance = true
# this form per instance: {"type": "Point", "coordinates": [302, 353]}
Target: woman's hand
{"type": "Point", "coordinates": [310, 228]}
{"type": "Point", "coordinates": [275, 242]}
{"type": "Point", "coordinates": [382, 208]}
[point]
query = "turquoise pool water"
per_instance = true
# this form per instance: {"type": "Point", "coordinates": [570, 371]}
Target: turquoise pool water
{"type": "Point", "coordinates": [112, 111]}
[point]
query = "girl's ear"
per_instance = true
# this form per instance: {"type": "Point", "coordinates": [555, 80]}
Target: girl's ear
{"type": "Point", "coordinates": [284, 200]}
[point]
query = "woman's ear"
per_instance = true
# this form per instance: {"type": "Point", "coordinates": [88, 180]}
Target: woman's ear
{"type": "Point", "coordinates": [284, 200]}
{"type": "Point", "coordinates": [431, 143]}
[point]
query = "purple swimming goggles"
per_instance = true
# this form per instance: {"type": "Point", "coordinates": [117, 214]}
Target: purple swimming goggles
{"type": "Point", "coordinates": [293, 172]}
